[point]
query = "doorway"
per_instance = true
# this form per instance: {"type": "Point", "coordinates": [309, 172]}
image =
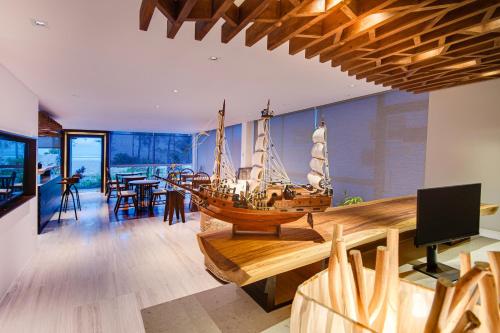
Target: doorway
{"type": "Point", "coordinates": [85, 154]}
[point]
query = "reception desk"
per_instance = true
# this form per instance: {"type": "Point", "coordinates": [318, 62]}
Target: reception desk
{"type": "Point", "coordinates": [49, 196]}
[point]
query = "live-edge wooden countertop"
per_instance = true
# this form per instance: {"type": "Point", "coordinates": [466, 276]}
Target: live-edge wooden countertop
{"type": "Point", "coordinates": [244, 259]}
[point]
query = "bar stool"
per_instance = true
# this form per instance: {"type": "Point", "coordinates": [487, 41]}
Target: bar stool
{"type": "Point", "coordinates": [76, 179]}
{"type": "Point", "coordinates": [174, 203]}
{"type": "Point", "coordinates": [68, 183]}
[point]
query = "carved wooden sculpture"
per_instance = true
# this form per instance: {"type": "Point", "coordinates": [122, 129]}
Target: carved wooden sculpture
{"type": "Point", "coordinates": [349, 298]}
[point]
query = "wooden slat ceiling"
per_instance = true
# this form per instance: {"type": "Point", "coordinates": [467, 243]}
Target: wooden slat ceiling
{"type": "Point", "coordinates": [409, 45]}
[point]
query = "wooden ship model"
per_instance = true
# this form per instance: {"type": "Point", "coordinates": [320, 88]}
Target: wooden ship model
{"type": "Point", "coordinates": [269, 199]}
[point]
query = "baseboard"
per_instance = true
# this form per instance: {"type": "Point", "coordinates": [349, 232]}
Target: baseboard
{"type": "Point", "coordinates": [489, 233]}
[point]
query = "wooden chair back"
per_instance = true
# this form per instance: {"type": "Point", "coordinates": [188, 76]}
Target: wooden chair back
{"type": "Point", "coordinates": [118, 187]}
{"type": "Point", "coordinates": [201, 178]}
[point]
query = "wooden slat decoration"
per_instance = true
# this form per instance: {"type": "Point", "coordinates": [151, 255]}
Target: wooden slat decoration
{"type": "Point", "coordinates": [411, 45]}
{"type": "Point", "coordinates": [48, 126]}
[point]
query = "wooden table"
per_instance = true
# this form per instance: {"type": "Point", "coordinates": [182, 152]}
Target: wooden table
{"type": "Point", "coordinates": [143, 186]}
{"type": "Point", "coordinates": [245, 259]}
{"type": "Point", "coordinates": [175, 202]}
{"type": "Point", "coordinates": [127, 179]}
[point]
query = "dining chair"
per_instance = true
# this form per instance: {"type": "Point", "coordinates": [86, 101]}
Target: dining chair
{"type": "Point", "coordinates": [111, 185]}
{"type": "Point", "coordinates": [125, 194]}
{"type": "Point", "coordinates": [8, 186]}
{"type": "Point", "coordinates": [161, 193]}
{"type": "Point", "coordinates": [186, 176]}
{"type": "Point", "coordinates": [200, 178]}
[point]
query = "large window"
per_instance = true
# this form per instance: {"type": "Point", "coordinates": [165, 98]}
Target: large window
{"type": "Point", "coordinates": [17, 170]}
{"type": "Point", "coordinates": [11, 169]}
{"type": "Point", "coordinates": [149, 152]}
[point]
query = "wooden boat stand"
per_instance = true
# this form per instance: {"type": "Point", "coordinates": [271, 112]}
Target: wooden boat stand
{"type": "Point", "coordinates": [278, 291]}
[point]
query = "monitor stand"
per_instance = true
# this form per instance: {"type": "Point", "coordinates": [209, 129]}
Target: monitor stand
{"type": "Point", "coordinates": [435, 269]}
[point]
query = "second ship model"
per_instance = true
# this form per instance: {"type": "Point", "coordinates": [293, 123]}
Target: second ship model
{"type": "Point", "coordinates": [269, 199]}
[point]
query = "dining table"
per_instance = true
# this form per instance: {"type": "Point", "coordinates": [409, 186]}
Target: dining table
{"type": "Point", "coordinates": [143, 188]}
{"type": "Point", "coordinates": [127, 179]}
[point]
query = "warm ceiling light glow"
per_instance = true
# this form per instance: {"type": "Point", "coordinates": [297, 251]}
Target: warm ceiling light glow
{"type": "Point", "coordinates": [39, 23]}
{"type": "Point", "coordinates": [421, 56]}
{"type": "Point", "coordinates": [485, 27]}
{"type": "Point", "coordinates": [214, 58]}
{"type": "Point", "coordinates": [372, 20]}
{"type": "Point", "coordinates": [332, 3]}
{"type": "Point", "coordinates": [462, 65]}
{"type": "Point", "coordinates": [175, 91]}
{"type": "Point", "coordinates": [428, 54]}
{"type": "Point", "coordinates": [352, 85]}
{"type": "Point", "coordinates": [490, 73]}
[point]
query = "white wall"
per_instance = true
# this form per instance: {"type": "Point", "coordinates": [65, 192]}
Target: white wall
{"type": "Point", "coordinates": [18, 229]}
{"type": "Point", "coordinates": [463, 140]}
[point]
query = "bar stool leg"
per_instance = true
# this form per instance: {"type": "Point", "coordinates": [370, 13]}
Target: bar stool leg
{"type": "Point", "coordinates": [66, 202]}
{"type": "Point", "coordinates": [61, 206]}
{"type": "Point", "coordinates": [78, 198]}
{"type": "Point", "coordinates": [74, 204]}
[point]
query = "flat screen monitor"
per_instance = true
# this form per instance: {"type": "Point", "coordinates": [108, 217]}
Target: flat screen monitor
{"type": "Point", "coordinates": [447, 213]}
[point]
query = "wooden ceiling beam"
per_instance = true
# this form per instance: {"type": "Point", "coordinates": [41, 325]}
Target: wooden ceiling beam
{"type": "Point", "coordinates": [454, 83]}
{"type": "Point", "coordinates": [445, 76]}
{"type": "Point", "coordinates": [405, 23]}
{"type": "Point", "coordinates": [146, 13]}
{"type": "Point", "coordinates": [360, 8]}
{"type": "Point", "coordinates": [231, 15]}
{"type": "Point", "coordinates": [460, 47]}
{"type": "Point", "coordinates": [285, 10]}
{"type": "Point", "coordinates": [449, 77]}
{"type": "Point", "coordinates": [418, 54]}
{"type": "Point", "coordinates": [457, 12]}
{"type": "Point", "coordinates": [293, 27]}
{"type": "Point", "coordinates": [168, 9]}
{"type": "Point", "coordinates": [219, 8]}
{"type": "Point", "coordinates": [451, 25]}
{"type": "Point", "coordinates": [247, 12]}
{"type": "Point", "coordinates": [202, 11]}
{"type": "Point", "coordinates": [183, 8]}
{"type": "Point", "coordinates": [406, 44]}
{"type": "Point", "coordinates": [441, 70]}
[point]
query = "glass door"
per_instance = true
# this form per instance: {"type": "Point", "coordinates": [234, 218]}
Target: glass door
{"type": "Point", "coordinates": [86, 158]}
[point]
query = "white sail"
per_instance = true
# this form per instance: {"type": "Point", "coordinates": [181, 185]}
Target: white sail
{"type": "Point", "coordinates": [258, 159]}
{"type": "Point", "coordinates": [256, 176]}
{"type": "Point", "coordinates": [319, 135]}
{"type": "Point", "coordinates": [260, 144]}
{"type": "Point", "coordinates": [317, 166]}
{"type": "Point", "coordinates": [261, 127]}
{"type": "Point", "coordinates": [318, 151]}
{"type": "Point", "coordinates": [315, 180]}
{"type": "Point", "coordinates": [266, 164]}
{"type": "Point", "coordinates": [318, 177]}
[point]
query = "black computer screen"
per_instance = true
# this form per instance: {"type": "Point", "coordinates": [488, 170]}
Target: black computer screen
{"type": "Point", "coordinates": [447, 213]}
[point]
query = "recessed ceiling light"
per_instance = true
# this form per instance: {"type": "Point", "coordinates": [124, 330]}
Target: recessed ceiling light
{"type": "Point", "coordinates": [213, 58]}
{"type": "Point", "coordinates": [157, 106]}
{"type": "Point", "coordinates": [352, 85]}
{"type": "Point", "coordinates": [175, 91]}
{"type": "Point", "coordinates": [39, 23]}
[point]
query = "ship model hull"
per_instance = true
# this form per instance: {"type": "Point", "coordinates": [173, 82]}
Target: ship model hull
{"type": "Point", "coordinates": [261, 220]}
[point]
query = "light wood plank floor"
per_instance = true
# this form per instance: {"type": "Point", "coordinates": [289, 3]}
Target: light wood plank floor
{"type": "Point", "coordinates": [94, 275]}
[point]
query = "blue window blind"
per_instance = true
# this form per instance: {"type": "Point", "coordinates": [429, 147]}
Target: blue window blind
{"type": "Point", "coordinates": [149, 148]}
{"type": "Point", "coordinates": [206, 149]}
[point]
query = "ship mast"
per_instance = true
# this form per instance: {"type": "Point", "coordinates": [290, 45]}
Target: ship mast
{"type": "Point", "coordinates": [219, 144]}
{"type": "Point", "coordinates": [266, 114]}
